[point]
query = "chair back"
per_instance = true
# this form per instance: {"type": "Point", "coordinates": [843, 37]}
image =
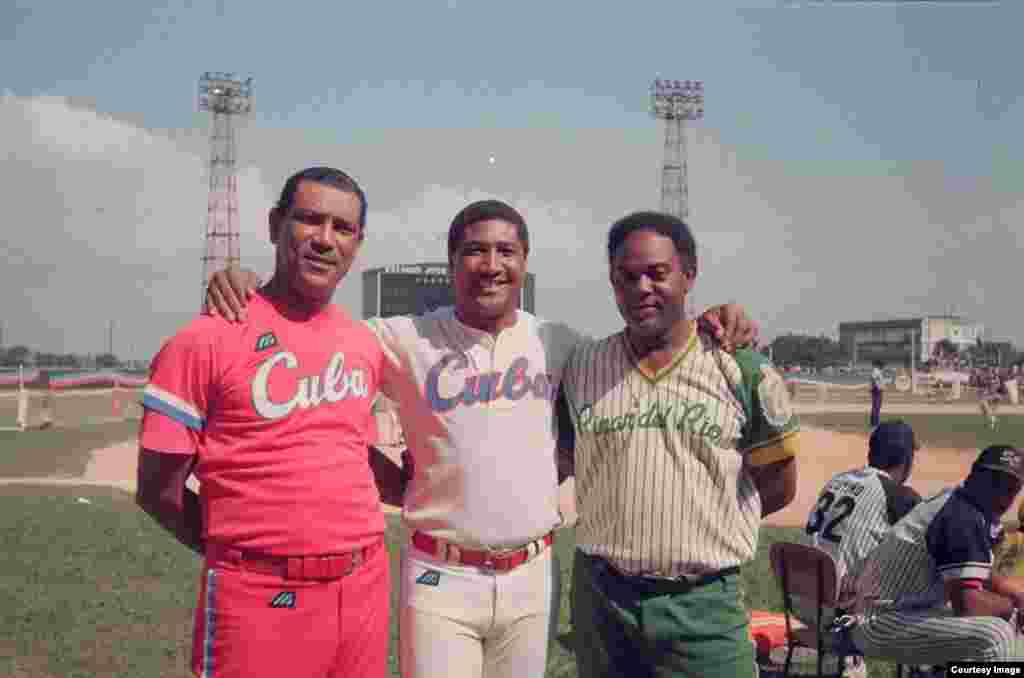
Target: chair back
{"type": "Point", "coordinates": [806, 572]}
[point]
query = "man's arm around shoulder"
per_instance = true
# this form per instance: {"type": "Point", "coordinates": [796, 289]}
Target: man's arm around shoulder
{"type": "Point", "coordinates": [163, 494]}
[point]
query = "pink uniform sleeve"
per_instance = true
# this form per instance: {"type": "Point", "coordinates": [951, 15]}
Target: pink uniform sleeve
{"type": "Point", "coordinates": [177, 397]}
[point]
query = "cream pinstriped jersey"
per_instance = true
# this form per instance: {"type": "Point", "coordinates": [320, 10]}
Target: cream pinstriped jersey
{"type": "Point", "coordinates": [478, 417]}
{"type": "Point", "coordinates": [663, 487]}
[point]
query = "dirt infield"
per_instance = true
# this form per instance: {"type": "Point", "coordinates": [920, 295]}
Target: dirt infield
{"type": "Point", "coordinates": [824, 454]}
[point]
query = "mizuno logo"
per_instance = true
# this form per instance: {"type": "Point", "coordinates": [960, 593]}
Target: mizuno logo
{"type": "Point", "coordinates": [429, 578]}
{"type": "Point", "coordinates": [266, 341]}
{"type": "Point", "coordinates": [284, 599]}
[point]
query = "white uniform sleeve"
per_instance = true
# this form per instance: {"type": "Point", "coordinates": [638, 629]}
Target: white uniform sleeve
{"type": "Point", "coordinates": [388, 334]}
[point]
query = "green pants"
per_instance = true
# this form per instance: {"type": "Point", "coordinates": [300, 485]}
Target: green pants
{"type": "Point", "coordinates": [630, 626]}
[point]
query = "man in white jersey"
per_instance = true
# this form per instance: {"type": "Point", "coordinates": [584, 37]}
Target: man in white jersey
{"type": "Point", "coordinates": [479, 584]}
{"type": "Point", "coordinates": [939, 553]}
{"type": "Point", "coordinates": [679, 450]}
{"type": "Point", "coordinates": [856, 508]}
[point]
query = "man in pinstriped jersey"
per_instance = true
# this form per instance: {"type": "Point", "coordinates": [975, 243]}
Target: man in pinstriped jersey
{"type": "Point", "coordinates": [939, 553]}
{"type": "Point", "coordinates": [856, 508]}
{"type": "Point", "coordinates": [679, 449]}
{"type": "Point", "coordinates": [853, 512]}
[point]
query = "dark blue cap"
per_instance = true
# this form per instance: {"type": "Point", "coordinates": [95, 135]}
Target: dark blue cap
{"type": "Point", "coordinates": [1002, 458]}
{"type": "Point", "coordinates": [892, 443]}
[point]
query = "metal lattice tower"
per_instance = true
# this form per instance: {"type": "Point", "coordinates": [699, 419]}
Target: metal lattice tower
{"type": "Point", "coordinates": [225, 98]}
{"type": "Point", "coordinates": [675, 102]}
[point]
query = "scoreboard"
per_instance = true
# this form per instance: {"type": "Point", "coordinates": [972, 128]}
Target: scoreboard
{"type": "Point", "coordinates": [413, 289]}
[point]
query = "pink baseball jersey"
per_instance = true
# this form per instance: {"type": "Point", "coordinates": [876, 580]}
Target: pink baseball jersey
{"type": "Point", "coordinates": [277, 412]}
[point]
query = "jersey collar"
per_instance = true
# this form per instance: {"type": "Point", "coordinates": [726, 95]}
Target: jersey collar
{"type": "Point", "coordinates": [879, 471]}
{"type": "Point", "coordinates": [655, 377]}
{"type": "Point", "coordinates": [482, 335]}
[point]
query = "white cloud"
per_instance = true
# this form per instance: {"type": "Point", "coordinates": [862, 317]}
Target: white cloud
{"type": "Point", "coordinates": [107, 218]}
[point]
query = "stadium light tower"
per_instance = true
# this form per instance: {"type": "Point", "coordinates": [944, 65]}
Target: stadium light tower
{"type": "Point", "coordinates": [226, 98]}
{"type": "Point", "coordinates": [675, 102]}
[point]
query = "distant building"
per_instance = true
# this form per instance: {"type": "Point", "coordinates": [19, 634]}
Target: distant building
{"type": "Point", "coordinates": [890, 340]}
{"type": "Point", "coordinates": [412, 289]}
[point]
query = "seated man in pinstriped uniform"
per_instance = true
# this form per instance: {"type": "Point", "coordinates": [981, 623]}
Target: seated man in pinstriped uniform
{"type": "Point", "coordinates": [856, 508]}
{"type": "Point", "coordinates": [939, 553]}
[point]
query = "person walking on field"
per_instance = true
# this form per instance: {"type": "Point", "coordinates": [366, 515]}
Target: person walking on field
{"type": "Point", "coordinates": [990, 394]}
{"type": "Point", "coordinates": [475, 388]}
{"type": "Point", "coordinates": [877, 380]}
{"type": "Point", "coordinates": [679, 449]}
{"type": "Point", "coordinates": [273, 418]}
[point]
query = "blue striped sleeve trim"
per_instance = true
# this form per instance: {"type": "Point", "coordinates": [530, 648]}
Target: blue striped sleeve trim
{"type": "Point", "coordinates": [160, 401]}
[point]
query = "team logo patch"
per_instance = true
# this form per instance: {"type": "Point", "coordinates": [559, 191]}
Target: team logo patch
{"type": "Point", "coordinates": [266, 341]}
{"type": "Point", "coordinates": [429, 578]}
{"type": "Point", "coordinates": [775, 404]}
{"type": "Point", "coordinates": [285, 599]}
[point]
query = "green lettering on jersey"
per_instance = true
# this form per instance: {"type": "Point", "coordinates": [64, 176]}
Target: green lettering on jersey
{"type": "Point", "coordinates": [689, 417]}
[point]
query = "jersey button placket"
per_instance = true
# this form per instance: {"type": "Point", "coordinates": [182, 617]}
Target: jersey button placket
{"type": "Point", "coordinates": [492, 368]}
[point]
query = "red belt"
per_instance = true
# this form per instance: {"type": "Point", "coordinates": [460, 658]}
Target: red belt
{"type": "Point", "coordinates": [321, 568]}
{"type": "Point", "coordinates": [499, 561]}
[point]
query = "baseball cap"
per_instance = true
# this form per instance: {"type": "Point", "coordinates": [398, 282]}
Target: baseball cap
{"type": "Point", "coordinates": [892, 443]}
{"type": "Point", "coordinates": [1002, 458]}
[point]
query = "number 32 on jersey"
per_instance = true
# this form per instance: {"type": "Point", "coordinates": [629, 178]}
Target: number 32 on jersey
{"type": "Point", "coordinates": [828, 516]}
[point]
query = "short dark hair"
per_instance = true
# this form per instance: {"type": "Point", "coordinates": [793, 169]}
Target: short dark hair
{"type": "Point", "coordinates": [662, 224]}
{"type": "Point", "coordinates": [329, 177]}
{"type": "Point", "coordinates": [485, 210]}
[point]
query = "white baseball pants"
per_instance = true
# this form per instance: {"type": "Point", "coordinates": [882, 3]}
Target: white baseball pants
{"type": "Point", "coordinates": [458, 621]}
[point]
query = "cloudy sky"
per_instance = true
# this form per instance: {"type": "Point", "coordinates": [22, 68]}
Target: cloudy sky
{"type": "Point", "coordinates": [857, 159]}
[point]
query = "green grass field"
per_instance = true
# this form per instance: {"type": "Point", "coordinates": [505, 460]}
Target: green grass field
{"type": "Point", "coordinates": [946, 430]}
{"type": "Point", "coordinates": [98, 589]}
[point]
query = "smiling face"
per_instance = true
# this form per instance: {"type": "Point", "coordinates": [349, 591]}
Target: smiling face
{"type": "Point", "coordinates": [489, 264]}
{"type": "Point", "coordinates": [651, 282]}
{"type": "Point", "coordinates": [317, 239]}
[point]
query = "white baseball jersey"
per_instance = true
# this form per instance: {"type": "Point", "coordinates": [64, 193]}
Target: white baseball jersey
{"type": "Point", "coordinates": [478, 416]}
{"type": "Point", "coordinates": [852, 514]}
{"type": "Point", "coordinates": [662, 460]}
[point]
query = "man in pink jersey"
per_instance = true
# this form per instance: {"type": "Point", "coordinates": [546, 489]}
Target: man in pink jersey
{"type": "Point", "coordinates": [273, 418]}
